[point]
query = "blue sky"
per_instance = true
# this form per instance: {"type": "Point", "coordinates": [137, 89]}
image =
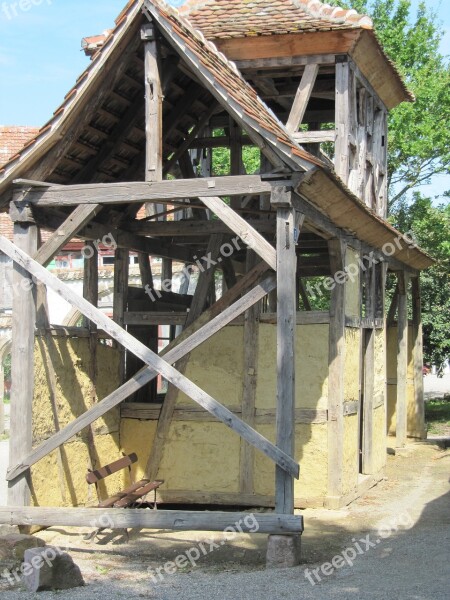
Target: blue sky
{"type": "Point", "coordinates": [40, 53]}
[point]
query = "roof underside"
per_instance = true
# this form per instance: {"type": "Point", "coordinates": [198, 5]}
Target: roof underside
{"type": "Point", "coordinates": [98, 133]}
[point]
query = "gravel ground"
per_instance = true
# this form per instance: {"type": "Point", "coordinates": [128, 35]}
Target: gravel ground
{"type": "Point", "coordinates": [406, 516]}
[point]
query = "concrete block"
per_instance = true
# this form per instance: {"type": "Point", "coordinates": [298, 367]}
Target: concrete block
{"type": "Point", "coordinates": [283, 551]}
{"type": "Point", "coordinates": [50, 569]}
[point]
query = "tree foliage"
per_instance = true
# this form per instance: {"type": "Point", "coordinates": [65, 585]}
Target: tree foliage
{"type": "Point", "coordinates": [431, 227]}
{"type": "Point", "coordinates": [419, 136]}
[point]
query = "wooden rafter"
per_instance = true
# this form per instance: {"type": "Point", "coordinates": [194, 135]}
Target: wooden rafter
{"type": "Point", "coordinates": [302, 97]}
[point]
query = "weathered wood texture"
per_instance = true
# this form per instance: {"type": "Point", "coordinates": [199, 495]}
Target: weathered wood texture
{"type": "Point", "coordinates": [22, 363]}
{"type": "Point", "coordinates": [302, 97]}
{"type": "Point", "coordinates": [152, 519]}
{"type": "Point", "coordinates": [418, 358]}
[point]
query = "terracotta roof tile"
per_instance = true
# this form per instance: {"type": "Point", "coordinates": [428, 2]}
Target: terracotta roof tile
{"type": "Point", "coordinates": [245, 18]}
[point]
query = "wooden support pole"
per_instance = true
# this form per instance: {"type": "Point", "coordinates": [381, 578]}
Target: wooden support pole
{"type": "Point", "coordinates": [343, 103]}
{"type": "Point", "coordinates": [402, 360]}
{"type": "Point", "coordinates": [302, 97]}
{"type": "Point", "coordinates": [286, 327]}
{"type": "Point", "coordinates": [90, 283]}
{"type": "Point", "coordinates": [336, 363]}
{"type": "Point", "coordinates": [153, 106]}
{"type": "Point", "coordinates": [22, 361]}
{"type": "Point", "coordinates": [120, 297]}
{"type": "Point", "coordinates": [420, 427]}
{"type": "Point", "coordinates": [251, 339]}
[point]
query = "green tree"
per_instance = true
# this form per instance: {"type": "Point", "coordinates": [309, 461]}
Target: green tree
{"type": "Point", "coordinates": [431, 227]}
{"type": "Point", "coordinates": [419, 136]}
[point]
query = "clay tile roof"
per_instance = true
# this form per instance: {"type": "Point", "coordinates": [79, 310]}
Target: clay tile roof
{"type": "Point", "coordinates": [246, 18]}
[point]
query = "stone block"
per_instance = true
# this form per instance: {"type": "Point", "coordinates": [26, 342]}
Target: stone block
{"type": "Point", "coordinates": [13, 547]}
{"type": "Point", "coordinates": [49, 568]}
{"type": "Point", "coordinates": [283, 551]}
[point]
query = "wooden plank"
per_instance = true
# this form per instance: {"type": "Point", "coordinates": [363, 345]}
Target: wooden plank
{"type": "Point", "coordinates": [336, 362]}
{"type": "Point", "coordinates": [402, 361]}
{"type": "Point", "coordinates": [152, 519]}
{"type": "Point", "coordinates": [155, 318]}
{"type": "Point", "coordinates": [302, 97]}
{"type": "Point", "coordinates": [367, 408]}
{"type": "Point", "coordinates": [314, 317]}
{"type": "Point", "coordinates": [152, 359]}
{"type": "Point", "coordinates": [240, 227]}
{"type": "Point", "coordinates": [202, 331]}
{"type": "Point", "coordinates": [286, 61]}
{"type": "Point", "coordinates": [314, 137]}
{"type": "Point", "coordinates": [248, 403]}
{"type": "Point", "coordinates": [343, 107]}
{"type": "Point", "coordinates": [153, 106]}
{"type": "Point", "coordinates": [80, 216]}
{"type": "Point", "coordinates": [140, 191]}
{"type": "Point", "coordinates": [194, 227]}
{"type": "Point", "coordinates": [120, 297]}
{"type": "Point", "coordinates": [286, 311]}
{"type": "Point", "coordinates": [114, 467]}
{"type": "Point", "coordinates": [418, 359]}
{"type": "Point", "coordinates": [165, 417]}
{"type": "Point", "coordinates": [22, 365]}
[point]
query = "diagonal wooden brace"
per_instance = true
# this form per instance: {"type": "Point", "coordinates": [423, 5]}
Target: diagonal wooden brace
{"type": "Point", "coordinates": [152, 359]}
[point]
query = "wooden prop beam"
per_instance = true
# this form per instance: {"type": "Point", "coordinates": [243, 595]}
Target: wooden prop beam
{"type": "Point", "coordinates": [151, 519]}
{"type": "Point", "coordinates": [240, 226]}
{"type": "Point", "coordinates": [141, 378]}
{"type": "Point", "coordinates": [302, 97]}
{"type": "Point", "coordinates": [153, 360]}
{"type": "Point", "coordinates": [141, 191]}
{"type": "Point", "coordinates": [194, 227]}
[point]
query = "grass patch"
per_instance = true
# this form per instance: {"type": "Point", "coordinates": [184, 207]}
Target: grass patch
{"type": "Point", "coordinates": [4, 436]}
{"type": "Point", "coordinates": [437, 416]}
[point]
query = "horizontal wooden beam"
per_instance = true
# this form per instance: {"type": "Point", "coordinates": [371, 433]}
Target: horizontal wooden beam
{"type": "Point", "coordinates": [175, 520]}
{"type": "Point", "coordinates": [285, 61]}
{"type": "Point", "coordinates": [313, 317]}
{"type": "Point", "coordinates": [155, 318]}
{"type": "Point", "coordinates": [315, 137]}
{"type": "Point", "coordinates": [194, 228]}
{"type": "Point", "coordinates": [139, 191]}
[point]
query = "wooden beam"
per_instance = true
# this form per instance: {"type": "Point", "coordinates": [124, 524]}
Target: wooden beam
{"type": "Point", "coordinates": [240, 227]}
{"type": "Point", "coordinates": [155, 318]}
{"type": "Point", "coordinates": [140, 191]}
{"type": "Point", "coordinates": [152, 519]}
{"type": "Point", "coordinates": [402, 361]}
{"type": "Point", "coordinates": [314, 137]}
{"type": "Point", "coordinates": [286, 329]}
{"type": "Point", "coordinates": [153, 106]}
{"type": "Point", "coordinates": [302, 97]}
{"type": "Point", "coordinates": [80, 216]}
{"type": "Point", "coordinates": [343, 108]}
{"type": "Point", "coordinates": [22, 364]}
{"type": "Point", "coordinates": [165, 418]}
{"type": "Point", "coordinates": [285, 61]}
{"type": "Point", "coordinates": [194, 227]}
{"type": "Point", "coordinates": [248, 403]}
{"type": "Point", "coordinates": [336, 362]}
{"type": "Point", "coordinates": [90, 283]}
{"type": "Point", "coordinates": [120, 297]}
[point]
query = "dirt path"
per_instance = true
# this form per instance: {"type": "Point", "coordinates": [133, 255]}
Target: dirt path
{"type": "Point", "coordinates": [396, 539]}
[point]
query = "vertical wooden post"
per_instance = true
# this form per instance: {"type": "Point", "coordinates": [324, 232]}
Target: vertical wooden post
{"type": "Point", "coordinates": [251, 335]}
{"type": "Point", "coordinates": [22, 357]}
{"type": "Point", "coordinates": [343, 101]}
{"type": "Point", "coordinates": [235, 158]}
{"type": "Point", "coordinates": [286, 321]}
{"type": "Point", "coordinates": [369, 372]}
{"type": "Point", "coordinates": [402, 360]}
{"type": "Point", "coordinates": [120, 296]}
{"type": "Point", "coordinates": [420, 429]}
{"type": "Point", "coordinates": [90, 283]}
{"type": "Point", "coordinates": [336, 362]}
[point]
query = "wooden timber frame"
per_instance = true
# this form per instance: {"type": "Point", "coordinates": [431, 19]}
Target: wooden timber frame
{"type": "Point", "coordinates": [285, 225]}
